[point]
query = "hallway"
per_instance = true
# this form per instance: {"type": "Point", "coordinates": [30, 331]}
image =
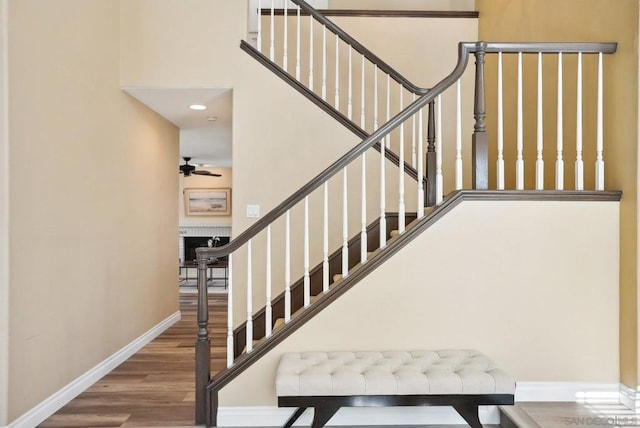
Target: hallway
{"type": "Point", "coordinates": [155, 387]}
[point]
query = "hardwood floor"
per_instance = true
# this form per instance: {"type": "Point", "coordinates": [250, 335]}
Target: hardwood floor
{"type": "Point", "coordinates": [155, 387]}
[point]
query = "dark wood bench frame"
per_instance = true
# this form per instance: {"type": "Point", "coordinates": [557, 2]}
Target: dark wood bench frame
{"type": "Point", "coordinates": [327, 406]}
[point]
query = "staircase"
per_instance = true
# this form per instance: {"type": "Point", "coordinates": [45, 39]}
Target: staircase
{"type": "Point", "coordinates": [363, 220]}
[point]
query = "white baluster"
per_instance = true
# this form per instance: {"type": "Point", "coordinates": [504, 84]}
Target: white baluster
{"type": "Point", "coordinates": [383, 184]}
{"type": "Point", "coordinates": [520, 131]}
{"type": "Point", "coordinates": [383, 214]}
{"type": "Point", "coordinates": [285, 55]}
{"type": "Point", "coordinates": [539, 139]}
{"type": "Point", "coordinates": [500, 161]}
{"type": "Point", "coordinates": [599, 129]}
{"type": "Point", "coordinates": [420, 170]}
{"type": "Point", "coordinates": [413, 137]}
{"type": "Point", "coordinates": [230, 312]}
{"type": "Point", "coordinates": [287, 268]}
{"type": "Point", "coordinates": [363, 212]}
{"type": "Point", "coordinates": [401, 207]}
{"type": "Point", "coordinates": [350, 94]}
{"type": "Point", "coordinates": [388, 142]}
{"type": "Point", "coordinates": [375, 97]}
{"type": "Point", "coordinates": [362, 98]}
{"type": "Point", "coordinates": [579, 163]}
{"type": "Point", "coordinates": [311, 52]}
{"type": "Point", "coordinates": [439, 178]}
{"type": "Point", "coordinates": [259, 40]}
{"type": "Point", "coordinates": [324, 63]}
{"type": "Point", "coordinates": [325, 240]}
{"type": "Point", "coordinates": [272, 48]}
{"type": "Point", "coordinates": [298, 46]}
{"type": "Point", "coordinates": [249, 326]}
{"type": "Point", "coordinates": [337, 93]}
{"type": "Point", "coordinates": [345, 225]}
{"type": "Point", "coordinates": [560, 129]}
{"type": "Point", "coordinates": [307, 283]}
{"type": "Point", "coordinates": [268, 309]}
{"type": "Point", "coordinates": [458, 166]}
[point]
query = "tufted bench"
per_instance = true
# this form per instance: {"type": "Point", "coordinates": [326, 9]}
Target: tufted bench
{"type": "Point", "coordinates": [327, 381]}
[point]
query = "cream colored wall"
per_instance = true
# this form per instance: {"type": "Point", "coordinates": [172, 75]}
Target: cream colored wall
{"type": "Point", "coordinates": [203, 182]}
{"type": "Point", "coordinates": [4, 215]}
{"type": "Point", "coordinates": [403, 4]}
{"type": "Point", "coordinates": [573, 20]}
{"type": "Point", "coordinates": [200, 45]}
{"type": "Point", "coordinates": [538, 294]}
{"type": "Point", "coordinates": [92, 199]}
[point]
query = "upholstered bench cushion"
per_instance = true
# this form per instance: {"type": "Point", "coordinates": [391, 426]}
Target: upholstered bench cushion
{"type": "Point", "coordinates": [390, 373]}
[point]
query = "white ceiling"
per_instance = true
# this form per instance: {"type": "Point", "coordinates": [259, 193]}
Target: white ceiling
{"type": "Point", "coordinates": [206, 142]}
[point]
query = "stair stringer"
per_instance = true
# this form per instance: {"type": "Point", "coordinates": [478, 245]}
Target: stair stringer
{"type": "Point", "coordinates": [595, 277]}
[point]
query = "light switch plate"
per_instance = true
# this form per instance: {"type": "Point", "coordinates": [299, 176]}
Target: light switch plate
{"type": "Point", "coordinates": [253, 211]}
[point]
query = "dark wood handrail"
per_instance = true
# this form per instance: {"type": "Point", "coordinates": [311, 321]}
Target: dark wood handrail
{"type": "Point", "coordinates": [552, 47]}
{"type": "Point", "coordinates": [464, 50]}
{"type": "Point", "coordinates": [379, 13]}
{"type": "Point", "coordinates": [395, 75]}
{"type": "Point", "coordinates": [347, 158]}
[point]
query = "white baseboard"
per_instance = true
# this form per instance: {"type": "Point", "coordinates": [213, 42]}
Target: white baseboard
{"type": "Point", "coordinates": [568, 391]}
{"type": "Point", "coordinates": [52, 404]}
{"type": "Point", "coordinates": [369, 416]}
{"type": "Point", "coordinates": [630, 398]}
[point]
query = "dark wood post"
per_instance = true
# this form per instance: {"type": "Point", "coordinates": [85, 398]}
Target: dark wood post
{"type": "Point", "coordinates": [203, 343]}
{"type": "Point", "coordinates": [430, 199]}
{"type": "Point", "coordinates": [480, 139]}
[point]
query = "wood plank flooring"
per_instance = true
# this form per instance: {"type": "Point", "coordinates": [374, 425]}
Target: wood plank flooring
{"type": "Point", "coordinates": [155, 387]}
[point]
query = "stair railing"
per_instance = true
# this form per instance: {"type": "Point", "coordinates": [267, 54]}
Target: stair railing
{"type": "Point", "coordinates": [325, 60]}
{"type": "Point", "coordinates": [280, 222]}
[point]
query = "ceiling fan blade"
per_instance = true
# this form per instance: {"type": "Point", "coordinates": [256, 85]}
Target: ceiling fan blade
{"type": "Point", "coordinates": [211, 174]}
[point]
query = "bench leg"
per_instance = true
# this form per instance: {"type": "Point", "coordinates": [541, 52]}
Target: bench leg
{"type": "Point", "coordinates": [294, 417]}
{"type": "Point", "coordinates": [321, 415]}
{"type": "Point", "coordinates": [469, 413]}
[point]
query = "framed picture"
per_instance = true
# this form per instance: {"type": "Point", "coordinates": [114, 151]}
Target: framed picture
{"type": "Point", "coordinates": [207, 201]}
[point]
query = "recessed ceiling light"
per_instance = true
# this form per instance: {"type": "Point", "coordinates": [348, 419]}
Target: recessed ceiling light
{"type": "Point", "coordinates": [197, 107]}
{"type": "Point", "coordinates": [212, 118]}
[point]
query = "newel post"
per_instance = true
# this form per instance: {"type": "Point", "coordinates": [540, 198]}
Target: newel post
{"type": "Point", "coordinates": [480, 139]}
{"type": "Point", "coordinates": [431, 157]}
{"type": "Point", "coordinates": [203, 343]}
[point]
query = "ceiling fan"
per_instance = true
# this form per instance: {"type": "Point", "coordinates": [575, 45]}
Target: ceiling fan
{"type": "Point", "coordinates": [187, 169]}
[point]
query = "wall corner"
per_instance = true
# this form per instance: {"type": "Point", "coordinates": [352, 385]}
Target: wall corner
{"type": "Point", "coordinates": [4, 212]}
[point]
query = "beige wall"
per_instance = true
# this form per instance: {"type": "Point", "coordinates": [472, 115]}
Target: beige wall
{"type": "Point", "coordinates": [403, 4]}
{"type": "Point", "coordinates": [203, 182]}
{"type": "Point", "coordinates": [91, 169]}
{"type": "Point", "coordinates": [4, 216]}
{"type": "Point", "coordinates": [200, 45]}
{"type": "Point", "coordinates": [546, 309]}
{"type": "Point", "coordinates": [573, 20]}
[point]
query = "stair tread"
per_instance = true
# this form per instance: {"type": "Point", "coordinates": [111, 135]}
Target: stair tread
{"type": "Point", "coordinates": [280, 321]}
{"type": "Point", "coordinates": [429, 210]}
